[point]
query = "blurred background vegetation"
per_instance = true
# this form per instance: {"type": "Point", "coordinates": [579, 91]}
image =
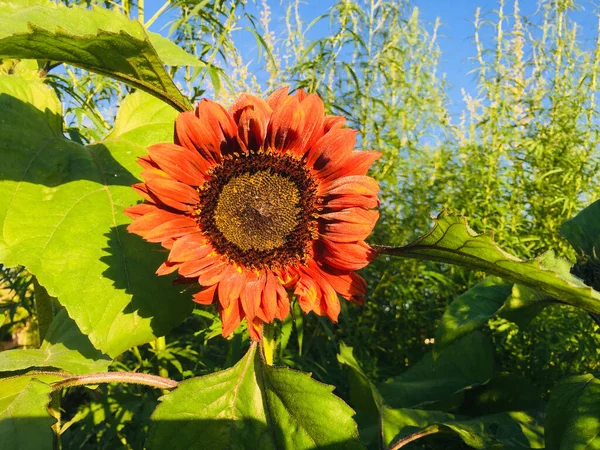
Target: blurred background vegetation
{"type": "Point", "coordinates": [520, 158]}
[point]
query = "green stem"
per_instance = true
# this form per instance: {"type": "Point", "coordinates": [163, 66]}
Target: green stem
{"type": "Point", "coordinates": [54, 410]}
{"type": "Point", "coordinates": [160, 345]}
{"type": "Point", "coordinates": [158, 13]}
{"type": "Point", "coordinates": [116, 377]}
{"type": "Point", "coordinates": [268, 342]}
{"type": "Point", "coordinates": [413, 437]}
{"type": "Point", "coordinates": [141, 11]}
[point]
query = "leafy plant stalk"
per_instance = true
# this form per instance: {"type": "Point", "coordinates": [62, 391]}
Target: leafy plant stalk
{"type": "Point", "coordinates": [116, 377]}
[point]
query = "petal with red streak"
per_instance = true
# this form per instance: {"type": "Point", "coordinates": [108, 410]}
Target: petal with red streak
{"type": "Point", "coordinates": [286, 127]}
{"type": "Point", "coordinates": [180, 163]}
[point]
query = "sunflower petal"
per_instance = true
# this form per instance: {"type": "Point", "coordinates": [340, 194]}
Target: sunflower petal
{"type": "Point", "coordinates": [180, 163]}
{"type": "Point", "coordinates": [286, 127]}
{"type": "Point", "coordinates": [205, 296]}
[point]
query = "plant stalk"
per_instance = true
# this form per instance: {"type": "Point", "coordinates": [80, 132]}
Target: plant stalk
{"type": "Point", "coordinates": [268, 342]}
{"type": "Point", "coordinates": [413, 437]}
{"type": "Point", "coordinates": [116, 377]}
{"type": "Point", "coordinates": [160, 345]}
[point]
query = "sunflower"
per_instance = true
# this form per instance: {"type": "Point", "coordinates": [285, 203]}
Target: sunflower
{"type": "Point", "coordinates": [259, 201]}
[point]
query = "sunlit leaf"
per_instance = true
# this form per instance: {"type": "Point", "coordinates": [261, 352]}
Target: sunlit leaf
{"type": "Point", "coordinates": [452, 241]}
{"type": "Point", "coordinates": [253, 405]}
{"type": "Point", "coordinates": [61, 216]}
{"type": "Point", "coordinates": [100, 40]}
{"type": "Point", "coordinates": [24, 419]}
{"type": "Point", "coordinates": [573, 415]}
{"type": "Point", "coordinates": [64, 347]}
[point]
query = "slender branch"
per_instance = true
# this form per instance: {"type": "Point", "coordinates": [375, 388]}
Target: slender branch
{"type": "Point", "coordinates": [117, 377]}
{"type": "Point", "coordinates": [160, 346]}
{"type": "Point", "coordinates": [413, 437]}
{"type": "Point", "coordinates": [158, 13]}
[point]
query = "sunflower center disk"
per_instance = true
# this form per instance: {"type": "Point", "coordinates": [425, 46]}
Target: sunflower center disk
{"type": "Point", "coordinates": [258, 211]}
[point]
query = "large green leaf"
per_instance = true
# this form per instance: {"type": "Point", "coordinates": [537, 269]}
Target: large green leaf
{"type": "Point", "coordinates": [583, 230]}
{"type": "Point", "coordinates": [573, 415]}
{"type": "Point", "coordinates": [452, 241]}
{"type": "Point", "coordinates": [504, 430]}
{"type": "Point", "coordinates": [253, 406]}
{"type": "Point", "coordinates": [99, 40]}
{"type": "Point", "coordinates": [466, 363]}
{"type": "Point", "coordinates": [64, 347]}
{"type": "Point", "coordinates": [492, 296]}
{"type": "Point", "coordinates": [24, 419]}
{"type": "Point", "coordinates": [61, 216]}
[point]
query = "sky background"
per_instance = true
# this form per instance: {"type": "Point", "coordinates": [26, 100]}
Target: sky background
{"type": "Point", "coordinates": [455, 36]}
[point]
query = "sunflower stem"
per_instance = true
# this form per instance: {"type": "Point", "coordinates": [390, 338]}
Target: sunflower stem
{"type": "Point", "coordinates": [160, 346]}
{"type": "Point", "coordinates": [268, 342]}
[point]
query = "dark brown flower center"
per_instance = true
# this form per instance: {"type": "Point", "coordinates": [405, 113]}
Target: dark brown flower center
{"type": "Point", "coordinates": [260, 209]}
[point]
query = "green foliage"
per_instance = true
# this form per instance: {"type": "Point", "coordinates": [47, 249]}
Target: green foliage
{"type": "Point", "coordinates": [252, 402]}
{"type": "Point", "coordinates": [485, 300]}
{"type": "Point", "coordinates": [573, 418]}
{"type": "Point", "coordinates": [101, 41]}
{"type": "Point", "coordinates": [24, 420]}
{"type": "Point", "coordinates": [504, 430]}
{"type": "Point", "coordinates": [452, 240]}
{"type": "Point", "coordinates": [64, 347]}
{"type": "Point", "coordinates": [521, 159]}
{"type": "Point", "coordinates": [466, 363]}
{"type": "Point", "coordinates": [583, 230]}
{"type": "Point", "coordinates": [56, 192]}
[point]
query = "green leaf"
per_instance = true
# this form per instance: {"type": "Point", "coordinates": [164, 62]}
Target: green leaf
{"type": "Point", "coordinates": [99, 40]}
{"type": "Point", "coordinates": [466, 363]}
{"type": "Point", "coordinates": [471, 310]}
{"type": "Point", "coordinates": [524, 304]}
{"type": "Point", "coordinates": [61, 216]}
{"type": "Point", "coordinates": [364, 397]}
{"type": "Point", "coordinates": [24, 419]}
{"type": "Point", "coordinates": [583, 230]}
{"type": "Point", "coordinates": [510, 429]}
{"type": "Point", "coordinates": [452, 241]}
{"type": "Point", "coordinates": [483, 301]}
{"type": "Point", "coordinates": [573, 415]}
{"type": "Point", "coordinates": [252, 406]}
{"type": "Point", "coordinates": [64, 347]}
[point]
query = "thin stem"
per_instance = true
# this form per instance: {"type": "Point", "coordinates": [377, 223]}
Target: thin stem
{"type": "Point", "coordinates": [54, 410]}
{"type": "Point", "coordinates": [117, 377]}
{"type": "Point", "coordinates": [413, 437]}
{"type": "Point", "coordinates": [141, 11]}
{"type": "Point", "coordinates": [158, 13]}
{"type": "Point", "coordinates": [160, 345]}
{"type": "Point", "coordinates": [268, 342]}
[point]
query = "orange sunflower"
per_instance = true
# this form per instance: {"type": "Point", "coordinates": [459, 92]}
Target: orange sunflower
{"type": "Point", "coordinates": [258, 201]}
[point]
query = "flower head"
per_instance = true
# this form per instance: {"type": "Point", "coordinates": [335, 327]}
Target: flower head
{"type": "Point", "coordinates": [258, 200]}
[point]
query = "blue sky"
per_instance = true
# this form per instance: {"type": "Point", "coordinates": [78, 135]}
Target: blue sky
{"type": "Point", "coordinates": [455, 36]}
